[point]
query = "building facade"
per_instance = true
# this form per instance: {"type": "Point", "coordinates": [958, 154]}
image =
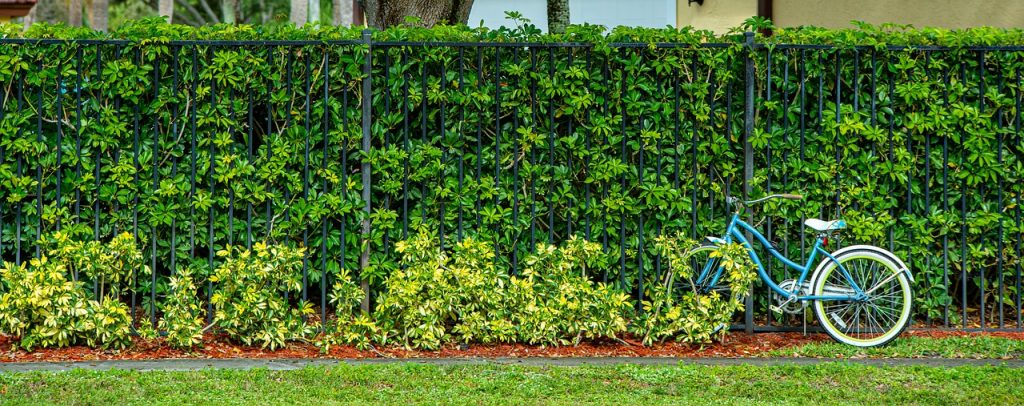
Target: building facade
{"type": "Point", "coordinates": [720, 15]}
{"type": "Point", "coordinates": [609, 13]}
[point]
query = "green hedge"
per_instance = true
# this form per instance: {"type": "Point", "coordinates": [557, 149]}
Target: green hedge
{"type": "Point", "coordinates": [592, 141]}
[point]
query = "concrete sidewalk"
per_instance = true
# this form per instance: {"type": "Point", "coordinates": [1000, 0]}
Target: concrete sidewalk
{"type": "Point", "coordinates": [292, 364]}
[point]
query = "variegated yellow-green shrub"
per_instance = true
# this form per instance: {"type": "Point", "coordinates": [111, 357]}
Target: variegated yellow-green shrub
{"type": "Point", "coordinates": [438, 297]}
{"type": "Point", "coordinates": [45, 305]}
{"type": "Point", "coordinates": [249, 302]}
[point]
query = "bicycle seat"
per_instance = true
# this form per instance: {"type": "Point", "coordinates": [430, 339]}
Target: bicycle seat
{"type": "Point", "coordinates": [822, 225]}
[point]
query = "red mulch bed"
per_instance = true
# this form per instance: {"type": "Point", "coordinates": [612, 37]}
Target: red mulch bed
{"type": "Point", "coordinates": [735, 345]}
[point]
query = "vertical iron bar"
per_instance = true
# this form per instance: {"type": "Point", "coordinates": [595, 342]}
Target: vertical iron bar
{"type": "Point", "coordinates": [155, 161]}
{"type": "Point", "coordinates": [497, 143]}
{"type": "Point", "coordinates": [269, 148]}
{"type": "Point", "coordinates": [173, 246]}
{"type": "Point", "coordinates": [406, 78]}
{"type": "Point", "coordinates": [193, 151]}
{"type": "Point", "coordinates": [344, 163]}
{"type": "Point", "coordinates": [693, 143]}
{"type": "Point", "coordinates": [367, 100]}
{"type": "Point", "coordinates": [461, 146]}
{"type": "Point", "coordinates": [587, 158]}
{"type": "Point", "coordinates": [424, 114]}
{"type": "Point", "coordinates": [515, 177]}
{"type": "Point", "coordinates": [945, 208]}
{"type": "Point", "coordinates": [78, 131]}
{"type": "Point", "coordinates": [444, 155]}
{"type": "Point", "coordinates": [19, 204]}
{"type": "Point", "coordinates": [305, 177]}
{"type": "Point", "coordinates": [640, 219]}
{"type": "Point", "coordinates": [622, 218]}
{"type": "Point", "coordinates": [58, 95]}
{"type": "Point", "coordinates": [999, 198]}
{"type": "Point", "coordinates": [839, 150]}
{"type": "Point", "coordinates": [551, 147]}
{"type": "Point", "coordinates": [606, 73]}
{"type": "Point", "coordinates": [963, 208]}
{"type": "Point", "coordinates": [387, 132]}
{"type": "Point", "coordinates": [892, 120]}
{"type": "Point", "coordinates": [569, 204]}
{"type": "Point", "coordinates": [39, 168]}
{"type": "Point", "coordinates": [479, 135]}
{"type": "Point", "coordinates": [136, 181]}
{"type": "Point", "coordinates": [248, 160]}
{"type": "Point", "coordinates": [325, 125]}
{"type": "Point", "coordinates": [533, 151]}
{"type": "Point", "coordinates": [803, 138]}
{"type": "Point", "coordinates": [211, 219]}
{"type": "Point", "coordinates": [1017, 133]}
{"type": "Point", "coordinates": [98, 159]}
{"type": "Point", "coordinates": [748, 158]}
{"type": "Point", "coordinates": [784, 88]}
{"type": "Point", "coordinates": [981, 109]}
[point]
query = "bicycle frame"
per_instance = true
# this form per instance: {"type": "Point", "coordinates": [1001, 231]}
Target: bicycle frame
{"type": "Point", "coordinates": [735, 231]}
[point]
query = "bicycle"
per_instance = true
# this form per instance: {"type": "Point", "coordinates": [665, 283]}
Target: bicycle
{"type": "Point", "coordinates": [861, 294]}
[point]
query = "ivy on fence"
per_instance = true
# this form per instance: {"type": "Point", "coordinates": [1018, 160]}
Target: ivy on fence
{"type": "Point", "coordinates": [194, 139]}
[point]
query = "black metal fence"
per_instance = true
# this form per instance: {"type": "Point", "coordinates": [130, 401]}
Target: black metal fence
{"type": "Point", "coordinates": [345, 147]}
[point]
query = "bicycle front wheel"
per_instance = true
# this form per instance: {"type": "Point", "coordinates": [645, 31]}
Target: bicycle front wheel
{"type": "Point", "coordinates": [885, 311]}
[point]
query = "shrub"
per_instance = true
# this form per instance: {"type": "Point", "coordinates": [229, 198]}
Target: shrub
{"type": "Point", "coordinates": [432, 296]}
{"type": "Point", "coordinates": [44, 308]}
{"type": "Point", "coordinates": [435, 298]}
{"type": "Point", "coordinates": [554, 302]}
{"type": "Point", "coordinates": [41, 306]}
{"type": "Point", "coordinates": [350, 326]}
{"type": "Point", "coordinates": [249, 303]}
{"type": "Point", "coordinates": [183, 314]}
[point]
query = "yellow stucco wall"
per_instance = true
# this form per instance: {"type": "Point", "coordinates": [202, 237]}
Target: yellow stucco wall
{"type": "Point", "coordinates": [716, 15]}
{"type": "Point", "coordinates": [720, 15]}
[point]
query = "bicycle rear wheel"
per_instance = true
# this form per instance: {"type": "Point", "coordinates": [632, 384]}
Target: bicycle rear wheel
{"type": "Point", "coordinates": [877, 319]}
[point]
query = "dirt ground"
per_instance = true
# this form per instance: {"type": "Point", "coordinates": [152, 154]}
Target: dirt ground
{"type": "Point", "coordinates": [734, 345]}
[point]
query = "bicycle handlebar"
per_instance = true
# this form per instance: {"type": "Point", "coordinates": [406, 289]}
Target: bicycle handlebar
{"type": "Point", "coordinates": [787, 196]}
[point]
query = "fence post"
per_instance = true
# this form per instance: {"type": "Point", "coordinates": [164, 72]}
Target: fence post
{"type": "Point", "coordinates": [748, 157]}
{"type": "Point", "coordinates": [367, 100]}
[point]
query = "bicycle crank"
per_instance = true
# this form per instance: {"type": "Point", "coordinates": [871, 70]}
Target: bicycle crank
{"type": "Point", "coordinates": [785, 305]}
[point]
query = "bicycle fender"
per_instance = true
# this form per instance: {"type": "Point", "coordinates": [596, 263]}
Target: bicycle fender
{"type": "Point", "coordinates": [715, 240]}
{"type": "Point", "coordinates": [883, 252]}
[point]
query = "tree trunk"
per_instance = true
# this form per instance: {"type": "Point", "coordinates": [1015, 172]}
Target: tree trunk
{"type": "Point", "coordinates": [165, 8]}
{"type": "Point", "coordinates": [227, 11]}
{"type": "Point", "coordinates": [558, 16]}
{"type": "Point", "coordinates": [314, 11]}
{"type": "Point", "coordinates": [381, 14]}
{"type": "Point", "coordinates": [299, 12]}
{"type": "Point", "coordinates": [341, 12]}
{"type": "Point", "coordinates": [100, 16]}
{"type": "Point", "coordinates": [75, 13]}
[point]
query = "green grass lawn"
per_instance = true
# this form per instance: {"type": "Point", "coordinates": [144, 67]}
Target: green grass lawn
{"type": "Point", "coordinates": [987, 347]}
{"type": "Point", "coordinates": [494, 384]}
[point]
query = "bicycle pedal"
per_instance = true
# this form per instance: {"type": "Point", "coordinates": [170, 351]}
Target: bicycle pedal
{"type": "Point", "coordinates": [776, 309]}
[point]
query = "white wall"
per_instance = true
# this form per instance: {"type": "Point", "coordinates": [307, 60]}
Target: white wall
{"type": "Point", "coordinates": [609, 13]}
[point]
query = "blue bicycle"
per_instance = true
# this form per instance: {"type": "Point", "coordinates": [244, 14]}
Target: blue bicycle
{"type": "Point", "coordinates": [861, 294]}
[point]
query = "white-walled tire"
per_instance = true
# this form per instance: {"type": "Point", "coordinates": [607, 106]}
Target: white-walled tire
{"type": "Point", "coordinates": [886, 311]}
